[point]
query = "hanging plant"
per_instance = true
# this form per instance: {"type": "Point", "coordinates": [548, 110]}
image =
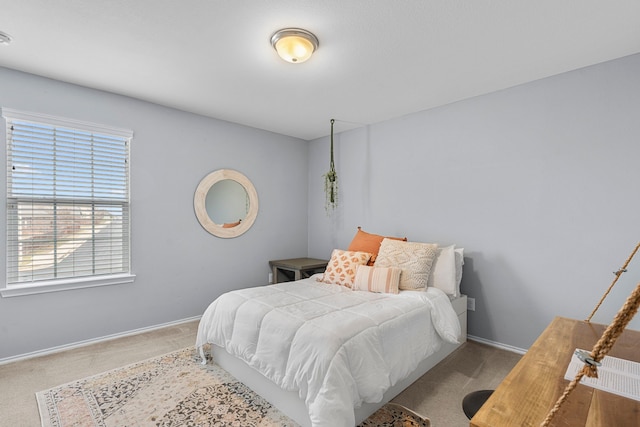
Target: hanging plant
{"type": "Point", "coordinates": [331, 182]}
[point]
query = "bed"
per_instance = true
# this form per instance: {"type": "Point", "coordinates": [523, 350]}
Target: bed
{"type": "Point", "coordinates": [326, 354]}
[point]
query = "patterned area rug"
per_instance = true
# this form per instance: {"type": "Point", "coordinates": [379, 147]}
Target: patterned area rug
{"type": "Point", "coordinates": [176, 390]}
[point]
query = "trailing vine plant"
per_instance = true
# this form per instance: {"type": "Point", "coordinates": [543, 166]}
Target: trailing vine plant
{"type": "Point", "coordinates": [331, 181]}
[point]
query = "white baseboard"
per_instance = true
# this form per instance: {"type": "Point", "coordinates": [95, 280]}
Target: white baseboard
{"type": "Point", "coordinates": [190, 319]}
{"type": "Point", "coordinates": [497, 344]}
{"type": "Point", "coordinates": [60, 348]}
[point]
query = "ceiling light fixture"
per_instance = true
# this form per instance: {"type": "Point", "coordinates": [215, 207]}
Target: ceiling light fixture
{"type": "Point", "coordinates": [294, 45]}
{"type": "Point", "coordinates": [5, 38]}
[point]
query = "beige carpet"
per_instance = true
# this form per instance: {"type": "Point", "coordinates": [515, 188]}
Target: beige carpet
{"type": "Point", "coordinates": [438, 394]}
{"type": "Point", "coordinates": [176, 390]}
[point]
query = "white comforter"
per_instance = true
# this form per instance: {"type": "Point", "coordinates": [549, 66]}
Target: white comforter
{"type": "Point", "coordinates": [336, 347]}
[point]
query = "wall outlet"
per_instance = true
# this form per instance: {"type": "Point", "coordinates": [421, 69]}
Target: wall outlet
{"type": "Point", "coordinates": [270, 277]}
{"type": "Point", "coordinates": [471, 304]}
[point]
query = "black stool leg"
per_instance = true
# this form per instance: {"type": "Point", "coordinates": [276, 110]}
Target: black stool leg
{"type": "Point", "coordinates": [473, 401]}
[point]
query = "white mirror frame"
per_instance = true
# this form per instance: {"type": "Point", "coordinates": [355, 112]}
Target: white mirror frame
{"type": "Point", "coordinates": [199, 203]}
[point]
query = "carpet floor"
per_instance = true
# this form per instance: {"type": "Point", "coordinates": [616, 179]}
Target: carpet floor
{"type": "Point", "coordinates": [437, 395]}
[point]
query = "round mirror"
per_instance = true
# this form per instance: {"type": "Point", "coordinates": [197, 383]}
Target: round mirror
{"type": "Point", "coordinates": [226, 203]}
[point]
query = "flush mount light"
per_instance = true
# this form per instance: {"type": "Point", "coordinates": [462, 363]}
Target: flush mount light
{"type": "Point", "coordinates": [294, 45]}
{"type": "Point", "coordinates": [5, 38]}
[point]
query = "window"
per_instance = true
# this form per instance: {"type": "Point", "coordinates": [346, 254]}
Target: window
{"type": "Point", "coordinates": [67, 204]}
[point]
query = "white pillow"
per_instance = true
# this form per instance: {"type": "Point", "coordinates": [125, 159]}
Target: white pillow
{"type": "Point", "coordinates": [443, 271]}
{"type": "Point", "coordinates": [459, 252]}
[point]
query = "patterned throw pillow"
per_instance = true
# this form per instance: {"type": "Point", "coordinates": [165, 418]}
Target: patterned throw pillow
{"type": "Point", "coordinates": [341, 269]}
{"type": "Point", "coordinates": [377, 279]}
{"type": "Point", "coordinates": [413, 258]}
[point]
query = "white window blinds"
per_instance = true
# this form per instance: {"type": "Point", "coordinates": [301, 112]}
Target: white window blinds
{"type": "Point", "coordinates": [67, 199]}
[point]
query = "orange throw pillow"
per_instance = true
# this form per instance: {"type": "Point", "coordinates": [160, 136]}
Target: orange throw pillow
{"type": "Point", "coordinates": [367, 242]}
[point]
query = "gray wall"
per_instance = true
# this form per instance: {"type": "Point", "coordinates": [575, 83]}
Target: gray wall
{"type": "Point", "coordinates": [180, 268]}
{"type": "Point", "coordinates": [539, 183]}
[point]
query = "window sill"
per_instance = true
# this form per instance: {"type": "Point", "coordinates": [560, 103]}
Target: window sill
{"type": "Point", "coordinates": [65, 285]}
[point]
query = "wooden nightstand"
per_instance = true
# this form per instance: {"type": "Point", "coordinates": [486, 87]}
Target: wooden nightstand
{"type": "Point", "coordinates": [286, 270]}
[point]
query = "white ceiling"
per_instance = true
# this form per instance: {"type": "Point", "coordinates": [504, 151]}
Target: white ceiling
{"type": "Point", "coordinates": [378, 59]}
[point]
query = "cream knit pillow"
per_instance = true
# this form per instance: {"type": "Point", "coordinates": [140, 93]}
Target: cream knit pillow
{"type": "Point", "coordinates": [413, 258]}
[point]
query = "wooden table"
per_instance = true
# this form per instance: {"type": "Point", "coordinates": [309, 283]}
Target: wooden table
{"type": "Point", "coordinates": [298, 268]}
{"type": "Point", "coordinates": [532, 388]}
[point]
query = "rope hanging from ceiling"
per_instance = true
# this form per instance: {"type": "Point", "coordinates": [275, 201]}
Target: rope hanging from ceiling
{"type": "Point", "coordinates": [618, 273]}
{"type": "Point", "coordinates": [331, 181]}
